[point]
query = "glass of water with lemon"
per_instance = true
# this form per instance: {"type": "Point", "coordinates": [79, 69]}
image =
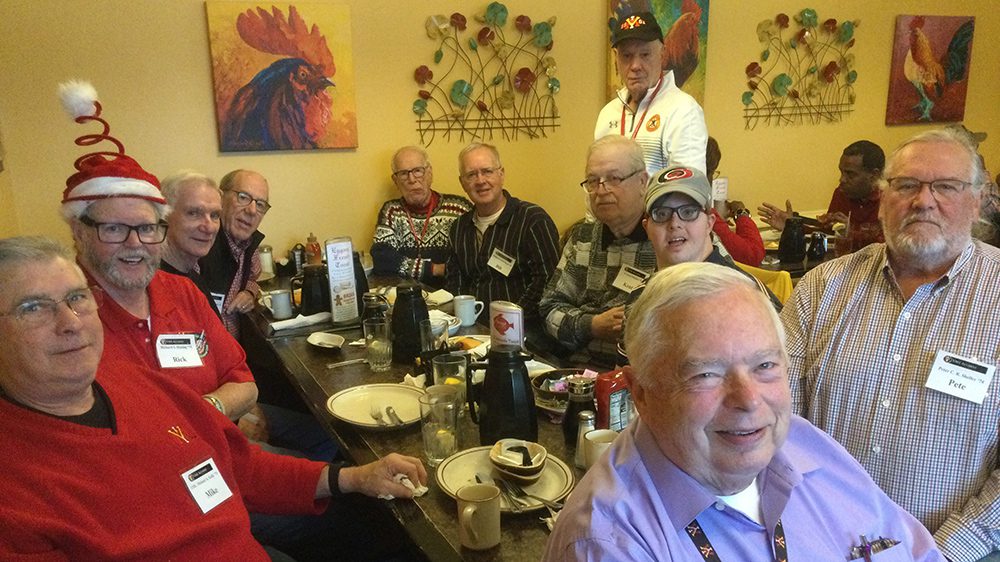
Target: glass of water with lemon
{"type": "Point", "coordinates": [378, 343]}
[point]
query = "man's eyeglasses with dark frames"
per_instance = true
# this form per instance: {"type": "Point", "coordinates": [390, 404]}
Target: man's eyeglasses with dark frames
{"type": "Point", "coordinates": [610, 182]}
{"type": "Point", "coordinates": [116, 233]}
{"type": "Point", "coordinates": [417, 173]}
{"type": "Point", "coordinates": [686, 213]}
{"type": "Point", "coordinates": [244, 199]}
{"type": "Point", "coordinates": [36, 312]}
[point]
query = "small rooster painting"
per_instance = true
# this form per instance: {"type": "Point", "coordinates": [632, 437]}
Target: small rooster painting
{"type": "Point", "coordinates": [929, 78]}
{"type": "Point", "coordinates": [283, 78]}
{"type": "Point", "coordinates": [685, 40]}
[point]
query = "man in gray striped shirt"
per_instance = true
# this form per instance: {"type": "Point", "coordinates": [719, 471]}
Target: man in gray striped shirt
{"type": "Point", "coordinates": [894, 348]}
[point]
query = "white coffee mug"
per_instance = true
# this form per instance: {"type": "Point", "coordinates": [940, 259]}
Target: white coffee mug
{"type": "Point", "coordinates": [468, 309]}
{"type": "Point", "coordinates": [596, 442]}
{"type": "Point", "coordinates": [479, 516]}
{"type": "Point", "coordinates": [280, 303]}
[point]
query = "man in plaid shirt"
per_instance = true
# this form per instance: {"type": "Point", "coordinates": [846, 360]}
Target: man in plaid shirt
{"type": "Point", "coordinates": [894, 348]}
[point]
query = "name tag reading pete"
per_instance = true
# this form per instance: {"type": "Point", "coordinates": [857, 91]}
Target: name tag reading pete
{"type": "Point", "coordinates": [501, 262]}
{"type": "Point", "coordinates": [961, 377]}
{"type": "Point", "coordinates": [177, 350]}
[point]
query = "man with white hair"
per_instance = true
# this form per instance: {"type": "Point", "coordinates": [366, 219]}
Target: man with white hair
{"type": "Point", "coordinates": [602, 261]}
{"type": "Point", "coordinates": [192, 225]}
{"type": "Point", "coordinates": [717, 467]}
{"type": "Point", "coordinates": [894, 348]}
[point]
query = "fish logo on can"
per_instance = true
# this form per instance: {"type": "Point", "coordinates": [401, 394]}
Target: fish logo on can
{"type": "Point", "coordinates": [506, 324]}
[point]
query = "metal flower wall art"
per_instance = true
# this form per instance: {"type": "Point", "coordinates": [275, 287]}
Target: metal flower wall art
{"type": "Point", "coordinates": [805, 73]}
{"type": "Point", "coordinates": [487, 78]}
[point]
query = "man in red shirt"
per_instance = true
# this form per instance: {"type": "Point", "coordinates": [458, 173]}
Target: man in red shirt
{"type": "Point", "coordinates": [855, 202]}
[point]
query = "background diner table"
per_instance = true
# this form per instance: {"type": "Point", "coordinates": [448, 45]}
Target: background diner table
{"type": "Point", "coordinates": [431, 521]}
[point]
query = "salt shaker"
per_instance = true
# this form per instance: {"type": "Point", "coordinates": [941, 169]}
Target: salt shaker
{"type": "Point", "coordinates": [586, 421]}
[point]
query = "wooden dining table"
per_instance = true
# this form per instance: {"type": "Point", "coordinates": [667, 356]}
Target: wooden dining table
{"type": "Point", "coordinates": [430, 521]}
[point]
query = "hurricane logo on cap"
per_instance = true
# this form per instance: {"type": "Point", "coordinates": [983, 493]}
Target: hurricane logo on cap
{"type": "Point", "coordinates": [674, 174]}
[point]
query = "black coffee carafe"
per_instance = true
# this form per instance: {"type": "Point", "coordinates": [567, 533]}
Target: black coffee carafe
{"type": "Point", "coordinates": [506, 402]}
{"type": "Point", "coordinates": [315, 289]}
{"type": "Point", "coordinates": [792, 246]}
{"type": "Point", "coordinates": [407, 312]}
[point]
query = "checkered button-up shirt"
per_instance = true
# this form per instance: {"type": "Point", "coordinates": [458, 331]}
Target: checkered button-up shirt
{"type": "Point", "coordinates": [860, 357]}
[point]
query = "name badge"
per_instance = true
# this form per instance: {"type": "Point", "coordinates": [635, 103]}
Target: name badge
{"type": "Point", "coordinates": [961, 377]}
{"type": "Point", "coordinates": [207, 486]}
{"type": "Point", "coordinates": [629, 278]}
{"type": "Point", "coordinates": [220, 300]}
{"type": "Point", "coordinates": [174, 351]}
{"type": "Point", "coordinates": [501, 262]}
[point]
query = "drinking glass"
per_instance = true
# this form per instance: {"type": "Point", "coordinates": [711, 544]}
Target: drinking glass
{"type": "Point", "coordinates": [433, 334]}
{"type": "Point", "coordinates": [378, 343]}
{"type": "Point", "coordinates": [449, 370]}
{"type": "Point", "coordinates": [439, 422]}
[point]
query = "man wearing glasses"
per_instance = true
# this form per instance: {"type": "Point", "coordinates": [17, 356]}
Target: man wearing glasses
{"type": "Point", "coordinates": [894, 348]}
{"type": "Point", "coordinates": [411, 235]}
{"type": "Point", "coordinates": [504, 249]}
{"type": "Point", "coordinates": [679, 224]}
{"type": "Point", "coordinates": [603, 261]}
{"type": "Point", "coordinates": [232, 266]}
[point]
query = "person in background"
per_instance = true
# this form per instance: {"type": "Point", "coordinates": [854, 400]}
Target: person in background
{"type": "Point", "coordinates": [192, 224]}
{"type": "Point", "coordinates": [232, 267]}
{"type": "Point", "coordinates": [716, 466]}
{"type": "Point", "coordinates": [745, 245]}
{"type": "Point", "coordinates": [855, 202]}
{"type": "Point", "coordinates": [411, 235]}
{"type": "Point", "coordinates": [894, 347]}
{"type": "Point", "coordinates": [183, 476]}
{"type": "Point", "coordinates": [504, 248]}
{"type": "Point", "coordinates": [650, 109]}
{"type": "Point", "coordinates": [603, 261]}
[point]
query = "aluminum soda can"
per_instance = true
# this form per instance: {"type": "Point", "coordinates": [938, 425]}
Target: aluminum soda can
{"type": "Point", "coordinates": [506, 324]}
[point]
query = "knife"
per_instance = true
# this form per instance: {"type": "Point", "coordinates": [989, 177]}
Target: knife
{"type": "Point", "coordinates": [392, 416]}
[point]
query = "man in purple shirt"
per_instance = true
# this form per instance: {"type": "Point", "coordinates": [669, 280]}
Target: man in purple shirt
{"type": "Point", "coordinates": [717, 467]}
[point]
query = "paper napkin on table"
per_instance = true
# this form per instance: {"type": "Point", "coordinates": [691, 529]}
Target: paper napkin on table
{"type": "Point", "coordinates": [439, 297]}
{"type": "Point", "coordinates": [300, 321]}
{"type": "Point", "coordinates": [418, 381]}
{"type": "Point", "coordinates": [405, 480]}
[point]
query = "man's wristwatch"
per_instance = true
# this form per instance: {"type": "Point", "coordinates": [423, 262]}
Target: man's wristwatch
{"type": "Point", "coordinates": [214, 400]}
{"type": "Point", "coordinates": [744, 212]}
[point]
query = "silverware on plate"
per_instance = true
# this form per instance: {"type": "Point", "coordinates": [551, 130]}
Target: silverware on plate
{"type": "Point", "coordinates": [393, 417]}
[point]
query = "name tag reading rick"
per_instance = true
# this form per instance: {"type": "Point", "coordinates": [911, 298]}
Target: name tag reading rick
{"type": "Point", "coordinates": [206, 485]}
{"type": "Point", "coordinates": [174, 351]}
{"type": "Point", "coordinates": [629, 278]}
{"type": "Point", "coordinates": [501, 262]}
{"type": "Point", "coordinates": [961, 377]}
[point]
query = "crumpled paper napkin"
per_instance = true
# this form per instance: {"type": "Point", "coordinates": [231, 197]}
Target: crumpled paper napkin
{"type": "Point", "coordinates": [405, 480]}
{"type": "Point", "coordinates": [419, 381]}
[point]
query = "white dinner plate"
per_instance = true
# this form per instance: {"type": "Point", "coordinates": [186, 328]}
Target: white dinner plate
{"type": "Point", "coordinates": [353, 405]}
{"type": "Point", "coordinates": [460, 469]}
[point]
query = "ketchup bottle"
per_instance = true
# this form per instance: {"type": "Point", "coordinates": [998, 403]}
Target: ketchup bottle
{"type": "Point", "coordinates": [614, 400]}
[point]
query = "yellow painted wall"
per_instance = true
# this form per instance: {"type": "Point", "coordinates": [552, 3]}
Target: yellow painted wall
{"type": "Point", "coordinates": [149, 60]}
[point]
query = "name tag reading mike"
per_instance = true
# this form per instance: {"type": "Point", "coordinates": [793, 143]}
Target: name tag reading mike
{"type": "Point", "coordinates": [961, 377]}
{"type": "Point", "coordinates": [501, 262]}
{"type": "Point", "coordinates": [629, 278]}
{"type": "Point", "coordinates": [206, 485]}
{"type": "Point", "coordinates": [174, 351]}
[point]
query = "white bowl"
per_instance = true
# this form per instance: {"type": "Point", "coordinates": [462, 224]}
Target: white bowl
{"type": "Point", "coordinates": [325, 340]}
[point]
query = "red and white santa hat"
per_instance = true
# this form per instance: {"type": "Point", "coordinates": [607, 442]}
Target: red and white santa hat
{"type": "Point", "coordinates": [102, 174]}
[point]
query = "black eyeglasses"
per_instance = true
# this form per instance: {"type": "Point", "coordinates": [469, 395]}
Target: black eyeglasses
{"type": "Point", "coordinates": [417, 173]}
{"type": "Point", "coordinates": [687, 213]}
{"type": "Point", "coordinates": [610, 182]}
{"type": "Point", "coordinates": [941, 189]}
{"type": "Point", "coordinates": [116, 233]}
{"type": "Point", "coordinates": [244, 199]}
{"type": "Point", "coordinates": [37, 312]}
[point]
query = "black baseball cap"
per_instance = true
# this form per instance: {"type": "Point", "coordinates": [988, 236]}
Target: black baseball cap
{"type": "Point", "coordinates": [640, 25]}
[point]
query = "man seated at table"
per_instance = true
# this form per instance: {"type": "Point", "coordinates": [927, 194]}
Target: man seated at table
{"type": "Point", "coordinates": [504, 248]}
{"type": "Point", "coordinates": [603, 261]}
{"type": "Point", "coordinates": [194, 220]}
{"type": "Point", "coordinates": [411, 235]}
{"type": "Point", "coordinates": [855, 202]}
{"type": "Point", "coordinates": [716, 466]}
{"type": "Point", "coordinates": [116, 462]}
{"type": "Point", "coordinates": [232, 266]}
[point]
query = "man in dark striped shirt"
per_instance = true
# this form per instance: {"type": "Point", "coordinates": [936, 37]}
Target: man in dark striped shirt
{"type": "Point", "coordinates": [505, 248]}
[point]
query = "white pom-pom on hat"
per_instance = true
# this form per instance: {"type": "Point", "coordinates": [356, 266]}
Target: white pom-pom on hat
{"type": "Point", "coordinates": [78, 98]}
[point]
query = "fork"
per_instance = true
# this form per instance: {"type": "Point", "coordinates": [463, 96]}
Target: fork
{"type": "Point", "coordinates": [375, 411]}
{"type": "Point", "coordinates": [518, 492]}
{"type": "Point", "coordinates": [512, 502]}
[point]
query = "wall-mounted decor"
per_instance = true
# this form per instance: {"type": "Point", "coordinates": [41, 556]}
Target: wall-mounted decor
{"type": "Point", "coordinates": [685, 40]}
{"type": "Point", "coordinates": [928, 80]}
{"type": "Point", "coordinates": [487, 78]}
{"type": "Point", "coordinates": [805, 72]}
{"type": "Point", "coordinates": [282, 83]}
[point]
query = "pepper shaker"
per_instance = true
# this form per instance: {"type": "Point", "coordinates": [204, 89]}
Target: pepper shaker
{"type": "Point", "coordinates": [586, 420]}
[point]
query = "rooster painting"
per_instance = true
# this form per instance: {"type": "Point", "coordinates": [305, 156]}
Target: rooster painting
{"type": "Point", "coordinates": [935, 67]}
{"type": "Point", "coordinates": [681, 43]}
{"type": "Point", "coordinates": [289, 103]}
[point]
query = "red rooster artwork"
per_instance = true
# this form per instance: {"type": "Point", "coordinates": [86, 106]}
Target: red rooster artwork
{"type": "Point", "coordinates": [930, 69]}
{"type": "Point", "coordinates": [275, 83]}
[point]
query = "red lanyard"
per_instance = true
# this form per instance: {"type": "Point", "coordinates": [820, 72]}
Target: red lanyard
{"type": "Point", "coordinates": [635, 131]}
{"type": "Point", "coordinates": [427, 221]}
